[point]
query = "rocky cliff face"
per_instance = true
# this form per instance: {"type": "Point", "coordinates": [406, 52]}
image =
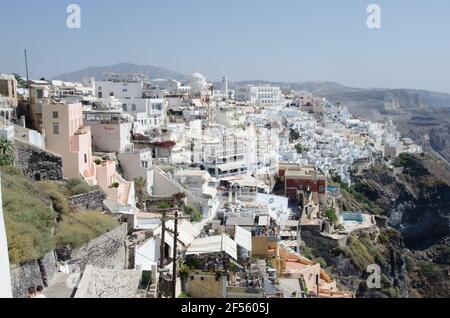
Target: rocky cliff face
{"type": "Point", "coordinates": [416, 199]}
{"type": "Point", "coordinates": [413, 252]}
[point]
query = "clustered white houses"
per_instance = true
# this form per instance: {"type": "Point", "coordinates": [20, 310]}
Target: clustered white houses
{"type": "Point", "coordinates": [149, 140]}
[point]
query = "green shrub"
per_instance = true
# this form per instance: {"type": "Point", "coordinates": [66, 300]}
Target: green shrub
{"type": "Point", "coordinates": [293, 135]}
{"type": "Point", "coordinates": [306, 251]}
{"type": "Point", "coordinates": [321, 261]}
{"type": "Point", "coordinates": [358, 253]}
{"type": "Point", "coordinates": [7, 154]}
{"type": "Point", "coordinates": [195, 214]}
{"type": "Point", "coordinates": [54, 192]}
{"type": "Point", "coordinates": [77, 186]}
{"type": "Point", "coordinates": [26, 242]}
{"type": "Point", "coordinates": [164, 205]}
{"type": "Point", "coordinates": [402, 160]}
{"type": "Point", "coordinates": [432, 272]}
{"type": "Point", "coordinates": [115, 185]}
{"type": "Point", "coordinates": [330, 213]}
{"type": "Point", "coordinates": [392, 292]}
{"type": "Point", "coordinates": [86, 227]}
{"type": "Point", "coordinates": [29, 219]}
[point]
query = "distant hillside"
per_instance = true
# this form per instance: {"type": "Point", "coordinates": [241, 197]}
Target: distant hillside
{"type": "Point", "coordinates": [98, 71]}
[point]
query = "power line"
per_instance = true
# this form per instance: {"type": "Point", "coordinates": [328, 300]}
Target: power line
{"type": "Point", "coordinates": [71, 216]}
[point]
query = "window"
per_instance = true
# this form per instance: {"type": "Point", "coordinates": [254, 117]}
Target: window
{"type": "Point", "coordinates": [56, 129]}
{"type": "Point", "coordinates": [124, 106]}
{"type": "Point", "coordinates": [100, 95]}
{"type": "Point", "coordinates": [133, 107]}
{"type": "Point", "coordinates": [85, 158]}
{"type": "Point", "coordinates": [39, 93]}
{"type": "Point", "coordinates": [55, 115]}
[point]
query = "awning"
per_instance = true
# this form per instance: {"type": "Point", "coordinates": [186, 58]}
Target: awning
{"type": "Point", "coordinates": [291, 223]}
{"type": "Point", "coordinates": [243, 238]}
{"type": "Point", "coordinates": [240, 220]}
{"type": "Point", "coordinates": [230, 166]}
{"type": "Point", "coordinates": [213, 244]}
{"type": "Point", "coordinates": [186, 231]}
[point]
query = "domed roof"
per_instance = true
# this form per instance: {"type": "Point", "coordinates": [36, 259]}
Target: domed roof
{"type": "Point", "coordinates": [197, 81]}
{"type": "Point", "coordinates": [197, 76]}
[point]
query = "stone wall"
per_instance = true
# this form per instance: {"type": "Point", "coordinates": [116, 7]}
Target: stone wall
{"type": "Point", "coordinates": [38, 164]}
{"type": "Point", "coordinates": [318, 241]}
{"type": "Point", "coordinates": [89, 201]}
{"type": "Point", "coordinates": [31, 274]}
{"type": "Point", "coordinates": [106, 251]}
{"type": "Point", "coordinates": [23, 276]}
{"type": "Point", "coordinates": [48, 266]}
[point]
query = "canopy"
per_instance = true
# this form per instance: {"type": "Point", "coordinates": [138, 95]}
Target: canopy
{"type": "Point", "coordinates": [213, 244]}
{"type": "Point", "coordinates": [243, 238]}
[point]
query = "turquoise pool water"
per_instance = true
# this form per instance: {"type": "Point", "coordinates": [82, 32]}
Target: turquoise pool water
{"type": "Point", "coordinates": [352, 217]}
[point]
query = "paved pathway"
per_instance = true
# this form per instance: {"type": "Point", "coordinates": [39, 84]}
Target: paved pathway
{"type": "Point", "coordinates": [58, 287]}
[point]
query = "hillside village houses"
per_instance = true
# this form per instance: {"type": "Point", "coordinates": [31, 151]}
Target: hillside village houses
{"type": "Point", "coordinates": [251, 165]}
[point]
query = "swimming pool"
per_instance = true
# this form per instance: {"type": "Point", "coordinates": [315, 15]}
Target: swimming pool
{"type": "Point", "coordinates": [352, 217]}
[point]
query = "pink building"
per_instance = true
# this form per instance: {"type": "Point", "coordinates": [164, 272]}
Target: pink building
{"type": "Point", "coordinates": [65, 134]}
{"type": "Point", "coordinates": [119, 192]}
{"type": "Point", "coordinates": [62, 126]}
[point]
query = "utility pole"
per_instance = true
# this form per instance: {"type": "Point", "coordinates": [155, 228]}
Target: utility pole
{"type": "Point", "coordinates": [162, 251]}
{"type": "Point", "coordinates": [28, 78]}
{"type": "Point", "coordinates": [174, 261]}
{"type": "Point", "coordinates": [164, 219]}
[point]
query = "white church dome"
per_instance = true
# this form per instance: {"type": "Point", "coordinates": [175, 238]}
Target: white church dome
{"type": "Point", "coordinates": [197, 82]}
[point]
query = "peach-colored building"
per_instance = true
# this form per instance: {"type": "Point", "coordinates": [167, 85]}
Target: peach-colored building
{"type": "Point", "coordinates": [66, 135]}
{"type": "Point", "coordinates": [62, 125]}
{"type": "Point", "coordinates": [8, 89]}
{"type": "Point", "coordinates": [117, 189]}
{"type": "Point", "coordinates": [317, 281]}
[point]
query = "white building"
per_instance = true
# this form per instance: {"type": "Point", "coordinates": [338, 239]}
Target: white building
{"type": "Point", "coordinates": [149, 112]}
{"type": "Point", "coordinates": [137, 163]}
{"type": "Point", "coordinates": [222, 153]}
{"type": "Point", "coordinates": [121, 86]}
{"type": "Point", "coordinates": [263, 96]}
{"type": "Point", "coordinates": [202, 190]}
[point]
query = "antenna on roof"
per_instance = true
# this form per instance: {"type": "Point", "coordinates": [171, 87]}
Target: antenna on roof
{"type": "Point", "coordinates": [26, 68]}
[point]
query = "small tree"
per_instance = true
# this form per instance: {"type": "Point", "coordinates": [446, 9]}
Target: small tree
{"type": "Point", "coordinates": [178, 199]}
{"type": "Point", "coordinates": [195, 215]}
{"type": "Point", "coordinates": [330, 213]}
{"type": "Point", "coordinates": [140, 185]}
{"type": "Point", "coordinates": [300, 148]}
{"type": "Point", "coordinates": [293, 135]}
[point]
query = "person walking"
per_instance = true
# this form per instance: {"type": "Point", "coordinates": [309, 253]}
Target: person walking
{"type": "Point", "coordinates": [31, 292]}
{"type": "Point", "coordinates": [39, 292]}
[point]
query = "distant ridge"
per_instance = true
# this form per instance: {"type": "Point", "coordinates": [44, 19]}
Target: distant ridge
{"type": "Point", "coordinates": [97, 71]}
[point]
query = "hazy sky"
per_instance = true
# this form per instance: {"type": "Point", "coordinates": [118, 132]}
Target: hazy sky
{"type": "Point", "coordinates": [289, 40]}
